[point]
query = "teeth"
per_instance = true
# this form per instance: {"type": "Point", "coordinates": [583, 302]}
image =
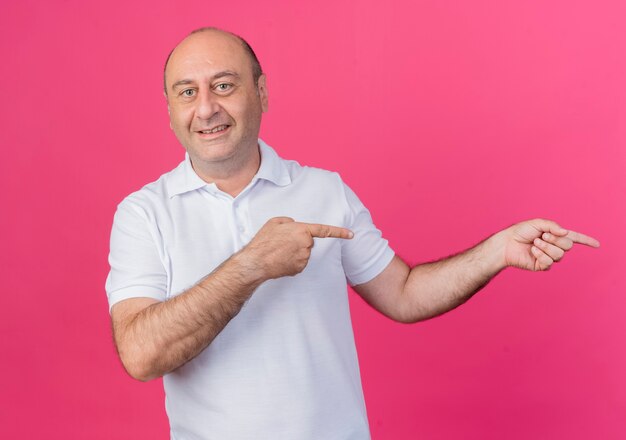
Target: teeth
{"type": "Point", "coordinates": [216, 129]}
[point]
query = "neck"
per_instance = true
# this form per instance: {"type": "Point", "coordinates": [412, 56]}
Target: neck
{"type": "Point", "coordinates": [230, 176]}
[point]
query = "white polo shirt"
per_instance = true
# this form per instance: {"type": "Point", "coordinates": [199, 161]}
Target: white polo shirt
{"type": "Point", "coordinates": [286, 366]}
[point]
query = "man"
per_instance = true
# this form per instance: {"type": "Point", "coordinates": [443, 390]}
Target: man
{"type": "Point", "coordinates": [228, 274]}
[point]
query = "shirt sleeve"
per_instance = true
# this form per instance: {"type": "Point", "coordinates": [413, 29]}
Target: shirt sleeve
{"type": "Point", "coordinates": [367, 254]}
{"type": "Point", "coordinates": [136, 267]}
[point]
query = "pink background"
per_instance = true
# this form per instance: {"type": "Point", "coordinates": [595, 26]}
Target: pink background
{"type": "Point", "coordinates": [451, 120]}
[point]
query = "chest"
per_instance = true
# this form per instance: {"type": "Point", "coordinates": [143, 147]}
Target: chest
{"type": "Point", "coordinates": [202, 230]}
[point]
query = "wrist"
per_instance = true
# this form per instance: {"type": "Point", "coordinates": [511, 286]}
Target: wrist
{"type": "Point", "coordinates": [247, 266]}
{"type": "Point", "coordinates": [495, 251]}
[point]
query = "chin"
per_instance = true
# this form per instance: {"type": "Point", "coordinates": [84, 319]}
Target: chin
{"type": "Point", "coordinates": [213, 152]}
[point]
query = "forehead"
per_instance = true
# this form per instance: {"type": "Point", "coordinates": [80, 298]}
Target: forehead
{"type": "Point", "coordinates": [206, 53]}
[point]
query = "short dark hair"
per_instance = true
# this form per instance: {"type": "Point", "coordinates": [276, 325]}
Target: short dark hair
{"type": "Point", "coordinates": [257, 71]}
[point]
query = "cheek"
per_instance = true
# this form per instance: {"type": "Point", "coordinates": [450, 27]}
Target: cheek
{"type": "Point", "coordinates": [250, 111]}
{"type": "Point", "coordinates": [242, 103]}
{"type": "Point", "coordinates": [180, 118]}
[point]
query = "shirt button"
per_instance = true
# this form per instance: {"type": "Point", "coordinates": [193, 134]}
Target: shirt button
{"type": "Point", "coordinates": [242, 229]}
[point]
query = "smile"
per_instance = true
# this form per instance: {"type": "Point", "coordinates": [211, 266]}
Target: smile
{"type": "Point", "coordinates": [215, 130]}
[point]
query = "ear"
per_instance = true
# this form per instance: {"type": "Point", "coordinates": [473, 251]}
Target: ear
{"type": "Point", "coordinates": [168, 109]}
{"type": "Point", "coordinates": [262, 92]}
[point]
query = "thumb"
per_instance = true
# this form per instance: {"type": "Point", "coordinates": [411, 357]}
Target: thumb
{"type": "Point", "coordinates": [549, 226]}
{"type": "Point", "coordinates": [280, 220]}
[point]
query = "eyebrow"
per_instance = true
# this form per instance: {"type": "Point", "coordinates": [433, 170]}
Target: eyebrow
{"type": "Point", "coordinates": [218, 75]}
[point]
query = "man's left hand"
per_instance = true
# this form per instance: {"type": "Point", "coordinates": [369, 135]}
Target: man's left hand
{"type": "Point", "coordinates": [536, 244]}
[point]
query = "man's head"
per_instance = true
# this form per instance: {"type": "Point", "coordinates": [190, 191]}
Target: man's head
{"type": "Point", "coordinates": [257, 71]}
{"type": "Point", "coordinates": [216, 93]}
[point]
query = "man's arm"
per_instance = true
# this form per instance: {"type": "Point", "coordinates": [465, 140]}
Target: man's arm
{"type": "Point", "coordinates": [430, 289]}
{"type": "Point", "coordinates": [154, 338]}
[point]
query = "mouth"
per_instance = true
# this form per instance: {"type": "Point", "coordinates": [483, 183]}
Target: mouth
{"type": "Point", "coordinates": [218, 130]}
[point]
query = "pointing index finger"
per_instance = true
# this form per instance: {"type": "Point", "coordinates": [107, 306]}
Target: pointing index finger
{"type": "Point", "coordinates": [328, 231]}
{"type": "Point", "coordinates": [577, 237]}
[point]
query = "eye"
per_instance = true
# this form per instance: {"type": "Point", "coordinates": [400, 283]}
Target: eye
{"type": "Point", "coordinates": [188, 92]}
{"type": "Point", "coordinates": [223, 87]}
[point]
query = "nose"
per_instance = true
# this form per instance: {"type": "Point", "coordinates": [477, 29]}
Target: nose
{"type": "Point", "coordinates": [207, 105]}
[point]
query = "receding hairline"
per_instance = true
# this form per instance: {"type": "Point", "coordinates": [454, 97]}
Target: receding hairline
{"type": "Point", "coordinates": [257, 71]}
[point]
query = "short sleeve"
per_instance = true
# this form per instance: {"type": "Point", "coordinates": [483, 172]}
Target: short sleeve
{"type": "Point", "coordinates": [367, 254]}
{"type": "Point", "coordinates": [136, 268]}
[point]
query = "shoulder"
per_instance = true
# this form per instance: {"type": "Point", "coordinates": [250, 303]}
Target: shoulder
{"type": "Point", "coordinates": [310, 181]}
{"type": "Point", "coordinates": [152, 196]}
{"type": "Point", "coordinates": [313, 175]}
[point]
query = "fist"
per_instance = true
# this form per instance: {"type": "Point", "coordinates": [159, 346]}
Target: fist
{"type": "Point", "coordinates": [282, 247]}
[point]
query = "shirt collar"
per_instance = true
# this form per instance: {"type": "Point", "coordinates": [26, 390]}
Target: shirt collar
{"type": "Point", "coordinates": [272, 167]}
{"type": "Point", "coordinates": [184, 179]}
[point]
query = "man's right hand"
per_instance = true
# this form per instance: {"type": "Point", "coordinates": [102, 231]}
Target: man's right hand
{"type": "Point", "coordinates": [282, 247]}
{"type": "Point", "coordinates": [154, 337]}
